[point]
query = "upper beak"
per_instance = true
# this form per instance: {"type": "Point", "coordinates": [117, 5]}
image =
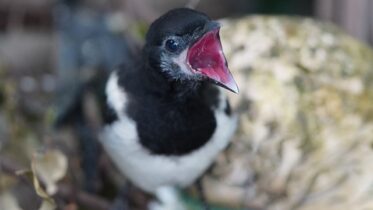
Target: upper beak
{"type": "Point", "coordinates": [206, 57]}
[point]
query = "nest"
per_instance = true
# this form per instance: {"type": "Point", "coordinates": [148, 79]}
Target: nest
{"type": "Point", "coordinates": [305, 135]}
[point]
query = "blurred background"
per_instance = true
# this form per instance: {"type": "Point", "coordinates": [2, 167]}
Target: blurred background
{"type": "Point", "coordinates": [40, 39]}
{"type": "Point", "coordinates": [50, 50]}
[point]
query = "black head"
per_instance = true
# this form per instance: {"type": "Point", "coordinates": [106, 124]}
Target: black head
{"type": "Point", "coordinates": [184, 45]}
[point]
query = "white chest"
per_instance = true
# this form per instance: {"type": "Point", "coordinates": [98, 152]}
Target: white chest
{"type": "Point", "coordinates": [149, 171]}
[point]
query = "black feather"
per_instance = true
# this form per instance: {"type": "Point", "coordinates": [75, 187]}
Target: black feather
{"type": "Point", "coordinates": [173, 117]}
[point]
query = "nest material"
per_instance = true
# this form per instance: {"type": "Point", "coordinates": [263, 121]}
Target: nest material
{"type": "Point", "coordinates": [306, 118]}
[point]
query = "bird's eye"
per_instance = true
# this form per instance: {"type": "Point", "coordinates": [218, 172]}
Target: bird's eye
{"type": "Point", "coordinates": [172, 45]}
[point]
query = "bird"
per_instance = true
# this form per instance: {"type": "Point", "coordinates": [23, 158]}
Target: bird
{"type": "Point", "coordinates": [167, 116]}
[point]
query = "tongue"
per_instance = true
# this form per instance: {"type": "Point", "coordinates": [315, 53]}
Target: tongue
{"type": "Point", "coordinates": [206, 56]}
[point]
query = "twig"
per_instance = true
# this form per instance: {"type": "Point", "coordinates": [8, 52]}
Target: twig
{"type": "Point", "coordinates": [142, 10]}
{"type": "Point", "coordinates": [192, 4]}
{"type": "Point", "coordinates": [9, 167]}
{"type": "Point", "coordinates": [87, 200]}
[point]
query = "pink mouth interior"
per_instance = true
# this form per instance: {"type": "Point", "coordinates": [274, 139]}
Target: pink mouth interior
{"type": "Point", "coordinates": [206, 57]}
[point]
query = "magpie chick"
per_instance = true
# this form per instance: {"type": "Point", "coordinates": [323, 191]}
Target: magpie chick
{"type": "Point", "coordinates": [168, 117]}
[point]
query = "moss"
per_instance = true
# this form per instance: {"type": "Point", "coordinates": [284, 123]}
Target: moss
{"type": "Point", "coordinates": [314, 82]}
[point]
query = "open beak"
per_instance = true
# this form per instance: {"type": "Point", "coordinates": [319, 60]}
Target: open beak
{"type": "Point", "coordinates": [206, 57]}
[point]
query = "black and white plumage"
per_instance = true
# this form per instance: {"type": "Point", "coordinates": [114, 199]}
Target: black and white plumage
{"type": "Point", "coordinates": [168, 119]}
